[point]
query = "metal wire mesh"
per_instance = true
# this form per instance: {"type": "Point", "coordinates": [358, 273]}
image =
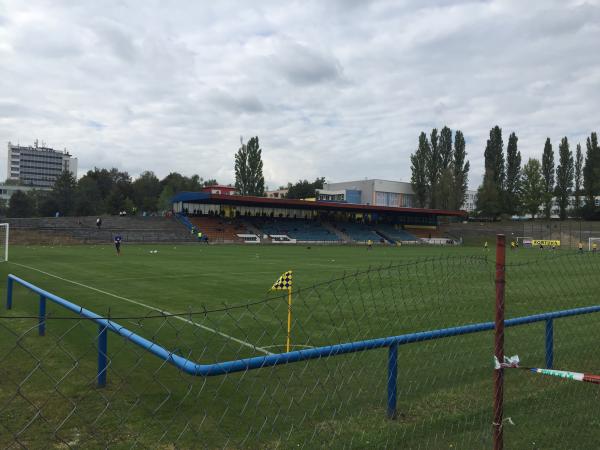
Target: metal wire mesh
{"type": "Point", "coordinates": [49, 391]}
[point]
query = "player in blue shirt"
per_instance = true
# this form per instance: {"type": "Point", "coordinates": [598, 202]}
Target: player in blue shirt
{"type": "Point", "coordinates": [118, 240]}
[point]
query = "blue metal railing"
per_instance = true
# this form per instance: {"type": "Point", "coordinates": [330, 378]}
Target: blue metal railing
{"type": "Point", "coordinates": [257, 362]}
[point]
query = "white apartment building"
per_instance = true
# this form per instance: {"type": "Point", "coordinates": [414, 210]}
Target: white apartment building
{"type": "Point", "coordinates": [470, 201]}
{"type": "Point", "coordinates": [38, 166]}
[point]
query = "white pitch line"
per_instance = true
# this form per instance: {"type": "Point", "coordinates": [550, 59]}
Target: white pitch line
{"type": "Point", "coordinates": [162, 311]}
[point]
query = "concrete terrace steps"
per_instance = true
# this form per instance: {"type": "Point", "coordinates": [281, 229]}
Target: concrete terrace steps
{"type": "Point", "coordinates": [84, 229]}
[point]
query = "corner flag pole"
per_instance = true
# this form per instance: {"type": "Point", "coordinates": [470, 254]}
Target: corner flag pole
{"type": "Point", "coordinates": [284, 283]}
{"type": "Point", "coordinates": [289, 322]}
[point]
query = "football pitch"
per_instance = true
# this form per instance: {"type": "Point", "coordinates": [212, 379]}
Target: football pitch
{"type": "Point", "coordinates": [212, 304]}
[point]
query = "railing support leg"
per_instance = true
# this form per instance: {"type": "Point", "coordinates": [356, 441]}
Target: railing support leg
{"type": "Point", "coordinates": [9, 293]}
{"type": "Point", "coordinates": [549, 343]}
{"type": "Point", "coordinates": [42, 317]}
{"type": "Point", "coordinates": [102, 358]}
{"type": "Point", "coordinates": [392, 381]}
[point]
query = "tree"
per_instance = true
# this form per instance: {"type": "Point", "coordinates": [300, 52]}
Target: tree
{"type": "Point", "coordinates": [146, 190]}
{"type": "Point", "coordinates": [45, 202]}
{"type": "Point", "coordinates": [489, 199]}
{"type": "Point", "coordinates": [63, 192]}
{"type": "Point", "coordinates": [460, 166]}
{"type": "Point", "coordinates": [249, 179]}
{"type": "Point", "coordinates": [445, 189]}
{"type": "Point", "coordinates": [433, 168]}
{"type": "Point", "coordinates": [564, 177]}
{"type": "Point", "coordinates": [513, 176]}
{"type": "Point", "coordinates": [164, 201]}
{"type": "Point", "coordinates": [88, 200]}
{"type": "Point", "coordinates": [304, 188]}
{"type": "Point", "coordinates": [494, 157]}
{"type": "Point", "coordinates": [578, 179]}
{"type": "Point", "coordinates": [548, 174]}
{"type": "Point", "coordinates": [532, 187]}
{"type": "Point", "coordinates": [20, 205]}
{"type": "Point", "coordinates": [445, 148]}
{"type": "Point", "coordinates": [419, 168]}
{"type": "Point", "coordinates": [492, 188]}
{"type": "Point", "coordinates": [179, 183]}
{"type": "Point", "coordinates": [591, 172]}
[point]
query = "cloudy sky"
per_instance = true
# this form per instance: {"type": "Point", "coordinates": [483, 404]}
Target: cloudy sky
{"type": "Point", "coordinates": [339, 89]}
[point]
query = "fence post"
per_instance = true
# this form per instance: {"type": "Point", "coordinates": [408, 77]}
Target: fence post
{"type": "Point", "coordinates": [549, 343]}
{"type": "Point", "coordinates": [102, 359]}
{"type": "Point", "coordinates": [499, 342]}
{"type": "Point", "coordinates": [42, 317]}
{"type": "Point", "coordinates": [392, 381]}
{"type": "Point", "coordinates": [9, 293]}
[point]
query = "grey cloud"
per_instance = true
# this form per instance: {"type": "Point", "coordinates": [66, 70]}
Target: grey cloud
{"type": "Point", "coordinates": [332, 89]}
{"type": "Point", "coordinates": [304, 66]}
{"type": "Point", "coordinates": [239, 104]}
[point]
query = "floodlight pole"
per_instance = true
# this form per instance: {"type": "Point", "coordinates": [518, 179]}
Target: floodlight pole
{"type": "Point", "coordinates": [499, 342]}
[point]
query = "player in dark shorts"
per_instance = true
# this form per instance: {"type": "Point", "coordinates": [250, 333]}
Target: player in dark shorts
{"type": "Point", "coordinates": [118, 240]}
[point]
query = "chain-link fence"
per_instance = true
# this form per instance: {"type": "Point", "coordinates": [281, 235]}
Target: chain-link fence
{"type": "Point", "coordinates": [397, 356]}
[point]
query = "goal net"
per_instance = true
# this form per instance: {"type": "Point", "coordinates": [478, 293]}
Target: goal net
{"type": "Point", "coordinates": [524, 241]}
{"type": "Point", "coordinates": [592, 241]}
{"type": "Point", "coordinates": [3, 242]}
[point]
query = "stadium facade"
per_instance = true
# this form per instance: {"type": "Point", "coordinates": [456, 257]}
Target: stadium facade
{"type": "Point", "coordinates": [377, 192]}
{"type": "Point", "coordinates": [38, 166]}
{"type": "Point", "coordinates": [203, 203]}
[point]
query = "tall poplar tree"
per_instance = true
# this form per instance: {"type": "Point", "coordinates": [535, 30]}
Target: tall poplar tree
{"type": "Point", "coordinates": [532, 187]}
{"type": "Point", "coordinates": [578, 179]}
{"type": "Point", "coordinates": [460, 167]}
{"type": "Point", "coordinates": [564, 177]}
{"type": "Point", "coordinates": [548, 175]}
{"type": "Point", "coordinates": [249, 179]}
{"type": "Point", "coordinates": [513, 176]}
{"type": "Point", "coordinates": [419, 167]}
{"type": "Point", "coordinates": [433, 168]}
{"type": "Point", "coordinates": [492, 188]}
{"type": "Point", "coordinates": [591, 172]}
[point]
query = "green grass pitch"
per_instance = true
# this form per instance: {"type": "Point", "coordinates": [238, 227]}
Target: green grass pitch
{"type": "Point", "coordinates": [342, 294]}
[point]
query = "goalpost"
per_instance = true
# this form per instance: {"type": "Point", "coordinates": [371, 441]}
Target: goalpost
{"type": "Point", "coordinates": [4, 242]}
{"type": "Point", "coordinates": [591, 242]}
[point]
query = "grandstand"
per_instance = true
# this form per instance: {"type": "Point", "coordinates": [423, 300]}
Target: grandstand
{"type": "Point", "coordinates": [217, 229]}
{"type": "Point", "coordinates": [84, 230]}
{"type": "Point", "coordinates": [395, 233]}
{"type": "Point", "coordinates": [359, 232]}
{"type": "Point", "coordinates": [285, 220]}
{"type": "Point", "coordinates": [299, 229]}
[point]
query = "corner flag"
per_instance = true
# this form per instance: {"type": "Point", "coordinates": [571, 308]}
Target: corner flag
{"type": "Point", "coordinates": [284, 283]}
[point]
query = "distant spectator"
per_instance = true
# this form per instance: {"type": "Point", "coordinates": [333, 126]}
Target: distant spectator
{"type": "Point", "coordinates": [98, 222]}
{"type": "Point", "coordinates": [57, 214]}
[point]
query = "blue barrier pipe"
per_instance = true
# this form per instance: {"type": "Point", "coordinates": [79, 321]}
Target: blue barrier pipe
{"type": "Point", "coordinates": [549, 343]}
{"type": "Point", "coordinates": [42, 316]}
{"type": "Point", "coordinates": [9, 290]}
{"type": "Point", "coordinates": [102, 358]}
{"type": "Point", "coordinates": [257, 362]}
{"type": "Point", "coordinates": [392, 381]}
